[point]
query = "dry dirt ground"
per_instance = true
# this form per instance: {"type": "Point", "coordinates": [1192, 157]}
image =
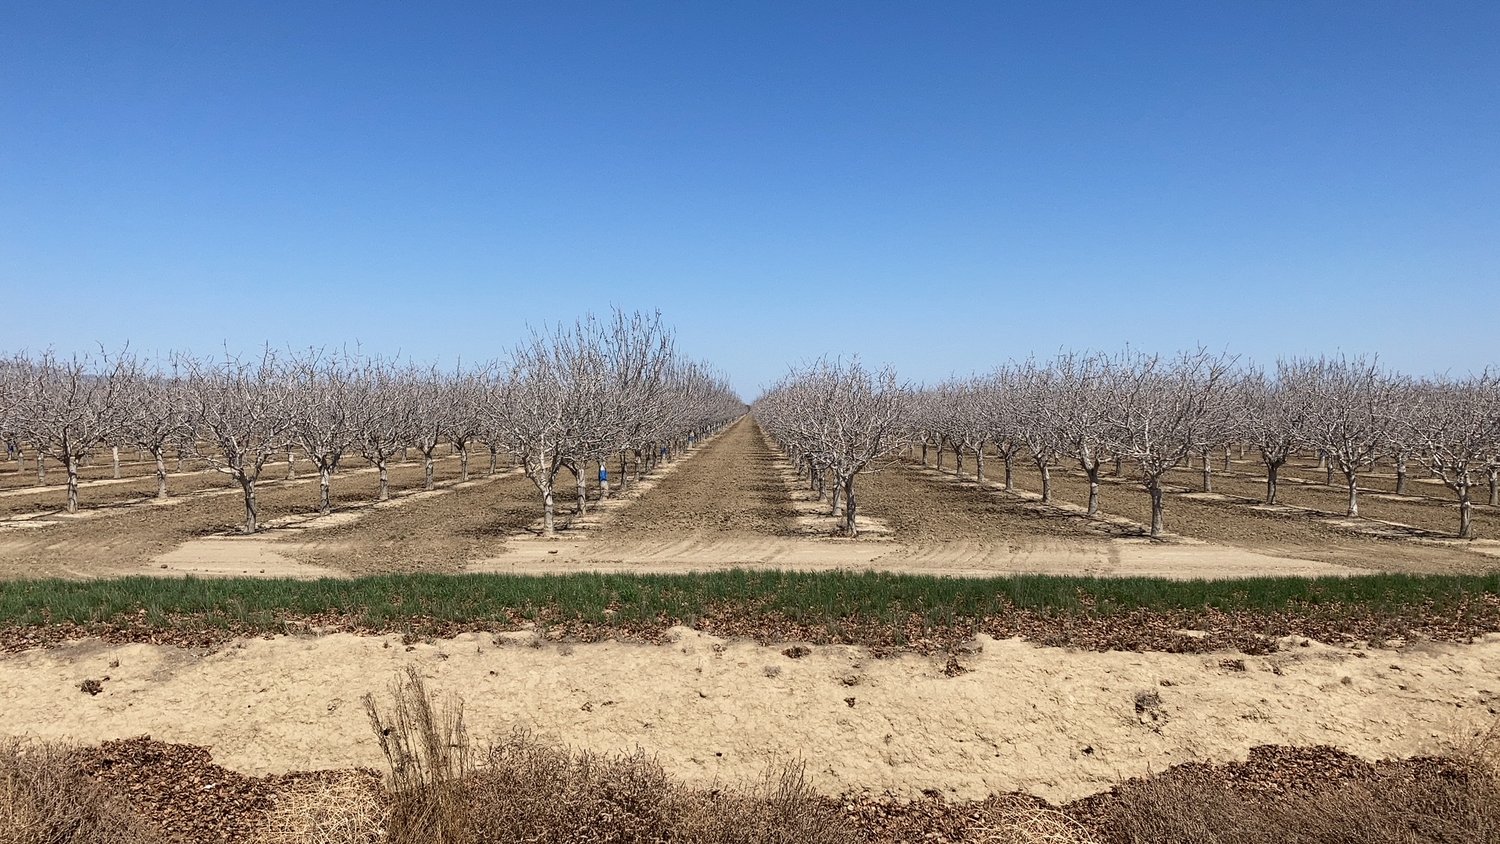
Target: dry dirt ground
{"type": "Point", "coordinates": [1056, 723]}
{"type": "Point", "coordinates": [1309, 525]}
{"type": "Point", "coordinates": [731, 501]}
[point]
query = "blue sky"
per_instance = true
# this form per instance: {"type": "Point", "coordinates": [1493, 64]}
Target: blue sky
{"type": "Point", "coordinates": [938, 186]}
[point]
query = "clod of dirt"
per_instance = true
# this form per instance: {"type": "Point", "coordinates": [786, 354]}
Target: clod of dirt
{"type": "Point", "coordinates": [91, 687]}
{"type": "Point", "coordinates": [1232, 664]}
{"type": "Point", "coordinates": [850, 679]}
{"type": "Point", "coordinates": [796, 652]}
{"type": "Point", "coordinates": [953, 669]}
{"type": "Point", "coordinates": [772, 671]}
{"type": "Point", "coordinates": [850, 701]}
{"type": "Point", "coordinates": [1149, 710]}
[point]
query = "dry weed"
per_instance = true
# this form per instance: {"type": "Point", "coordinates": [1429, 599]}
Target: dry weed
{"type": "Point", "coordinates": [426, 746]}
{"type": "Point", "coordinates": [46, 799]}
{"type": "Point", "coordinates": [1015, 822]}
{"type": "Point", "coordinates": [348, 810]}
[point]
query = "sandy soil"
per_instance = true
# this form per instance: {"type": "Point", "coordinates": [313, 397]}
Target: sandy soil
{"type": "Point", "coordinates": [1057, 723]}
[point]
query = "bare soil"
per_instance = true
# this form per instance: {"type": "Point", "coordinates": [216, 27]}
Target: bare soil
{"type": "Point", "coordinates": [1005, 716]}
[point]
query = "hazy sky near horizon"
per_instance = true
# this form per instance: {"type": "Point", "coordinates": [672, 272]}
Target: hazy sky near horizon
{"type": "Point", "coordinates": [937, 186]}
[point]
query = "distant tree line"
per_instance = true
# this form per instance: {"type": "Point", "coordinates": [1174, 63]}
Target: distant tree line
{"type": "Point", "coordinates": [573, 397]}
{"type": "Point", "coordinates": [1153, 413]}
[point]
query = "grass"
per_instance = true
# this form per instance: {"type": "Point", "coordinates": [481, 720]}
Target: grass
{"type": "Point", "coordinates": [829, 600]}
{"type": "Point", "coordinates": [604, 598]}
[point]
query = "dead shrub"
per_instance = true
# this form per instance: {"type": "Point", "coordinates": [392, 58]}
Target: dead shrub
{"type": "Point", "coordinates": [45, 798]}
{"type": "Point", "coordinates": [426, 747]}
{"type": "Point", "coordinates": [523, 790]}
{"type": "Point", "coordinates": [347, 810]}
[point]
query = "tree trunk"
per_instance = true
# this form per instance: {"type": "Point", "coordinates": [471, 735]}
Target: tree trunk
{"type": "Point", "coordinates": [1226, 457]}
{"type": "Point", "coordinates": [1465, 512]}
{"type": "Point", "coordinates": [979, 466]}
{"type": "Point", "coordinates": [427, 470]}
{"type": "Point", "coordinates": [833, 507]}
{"type": "Point", "coordinates": [291, 467]}
{"type": "Point", "coordinates": [161, 473]}
{"type": "Point", "coordinates": [1328, 474]}
{"type": "Point", "coordinates": [463, 462]}
{"type": "Point", "coordinates": [1010, 470]}
{"type": "Point", "coordinates": [940, 457]}
{"type": "Point", "coordinates": [325, 480]}
{"type": "Point", "coordinates": [1208, 473]}
{"type": "Point", "coordinates": [1494, 486]}
{"type": "Point", "coordinates": [384, 493]}
{"type": "Point", "coordinates": [494, 460]}
{"type": "Point", "coordinates": [1153, 486]}
{"type": "Point", "coordinates": [549, 527]}
{"type": "Point", "coordinates": [603, 481]}
{"type": "Point", "coordinates": [114, 456]}
{"type": "Point", "coordinates": [850, 530]}
{"type": "Point", "coordinates": [1119, 465]}
{"type": "Point", "coordinates": [583, 492]}
{"type": "Point", "coordinates": [1353, 481]}
{"type": "Point", "coordinates": [1092, 470]}
{"type": "Point", "coordinates": [1272, 470]}
{"type": "Point", "coordinates": [924, 453]}
{"type": "Point", "coordinates": [1401, 475]}
{"type": "Point", "coordinates": [72, 465]}
{"type": "Point", "coordinates": [1046, 482]}
{"type": "Point", "coordinates": [41, 469]}
{"type": "Point", "coordinates": [252, 510]}
{"type": "Point", "coordinates": [958, 461]}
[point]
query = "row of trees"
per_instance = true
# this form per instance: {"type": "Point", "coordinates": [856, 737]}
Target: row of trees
{"type": "Point", "coordinates": [1156, 414]}
{"type": "Point", "coordinates": [570, 398]}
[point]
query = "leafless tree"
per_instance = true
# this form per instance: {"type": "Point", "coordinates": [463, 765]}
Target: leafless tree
{"type": "Point", "coordinates": [67, 407]}
{"type": "Point", "coordinates": [321, 392]}
{"type": "Point", "coordinates": [851, 416]}
{"type": "Point", "coordinates": [1160, 411]}
{"type": "Point", "coordinates": [158, 416]}
{"type": "Point", "coordinates": [1351, 404]}
{"type": "Point", "coordinates": [1273, 418]}
{"type": "Point", "coordinates": [1081, 387]}
{"type": "Point", "coordinates": [1036, 407]}
{"type": "Point", "coordinates": [1454, 427]}
{"type": "Point", "coordinates": [380, 414]}
{"type": "Point", "coordinates": [240, 408]}
{"type": "Point", "coordinates": [430, 413]}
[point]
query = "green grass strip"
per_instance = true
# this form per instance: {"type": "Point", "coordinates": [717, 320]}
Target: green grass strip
{"type": "Point", "coordinates": [810, 597]}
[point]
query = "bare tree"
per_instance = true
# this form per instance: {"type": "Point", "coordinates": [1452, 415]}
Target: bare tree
{"type": "Point", "coordinates": [1454, 427]}
{"type": "Point", "coordinates": [158, 416]}
{"type": "Point", "coordinates": [853, 417]}
{"type": "Point", "coordinates": [1036, 408]}
{"type": "Point", "coordinates": [1162, 411]}
{"type": "Point", "coordinates": [1350, 406]}
{"type": "Point", "coordinates": [321, 391]}
{"type": "Point", "coordinates": [1273, 418]}
{"type": "Point", "coordinates": [240, 407]}
{"type": "Point", "coordinates": [68, 407]}
{"type": "Point", "coordinates": [380, 416]}
{"type": "Point", "coordinates": [430, 414]}
{"type": "Point", "coordinates": [1081, 414]}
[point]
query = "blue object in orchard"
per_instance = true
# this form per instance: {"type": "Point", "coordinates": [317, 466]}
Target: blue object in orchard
{"type": "Point", "coordinates": [603, 475]}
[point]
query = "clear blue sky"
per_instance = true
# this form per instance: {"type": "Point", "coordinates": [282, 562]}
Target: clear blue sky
{"type": "Point", "coordinates": [938, 186]}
